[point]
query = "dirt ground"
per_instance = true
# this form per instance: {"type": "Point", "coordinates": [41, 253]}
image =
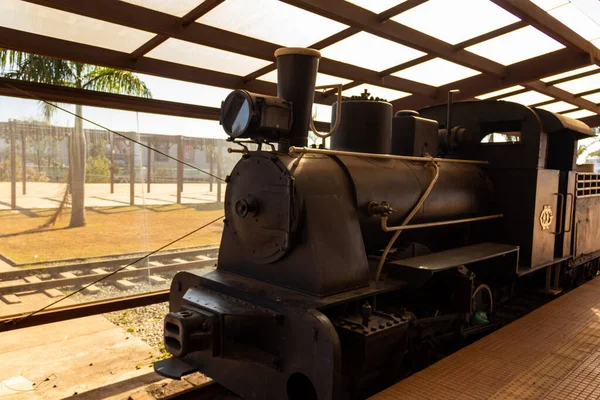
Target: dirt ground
{"type": "Point", "coordinates": [109, 230]}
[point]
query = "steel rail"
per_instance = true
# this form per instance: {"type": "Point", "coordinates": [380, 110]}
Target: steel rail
{"type": "Point", "coordinates": [63, 313]}
{"type": "Point", "coordinates": [110, 263]}
{"type": "Point", "coordinates": [84, 279]}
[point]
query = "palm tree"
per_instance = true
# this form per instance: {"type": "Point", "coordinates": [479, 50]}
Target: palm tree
{"type": "Point", "coordinates": [42, 69]}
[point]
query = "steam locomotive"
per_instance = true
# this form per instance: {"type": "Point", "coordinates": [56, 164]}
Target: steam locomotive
{"type": "Point", "coordinates": [338, 268]}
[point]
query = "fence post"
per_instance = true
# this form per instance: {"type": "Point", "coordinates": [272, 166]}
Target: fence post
{"type": "Point", "coordinates": [24, 160]}
{"type": "Point", "coordinates": [13, 165]}
{"type": "Point", "coordinates": [179, 168]}
{"type": "Point", "coordinates": [211, 157]}
{"type": "Point", "coordinates": [149, 166]}
{"type": "Point", "coordinates": [219, 164]}
{"type": "Point", "coordinates": [131, 173]}
{"type": "Point", "coordinates": [112, 163]}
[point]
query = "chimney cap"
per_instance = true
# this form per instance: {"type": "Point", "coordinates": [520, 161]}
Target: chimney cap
{"type": "Point", "coordinates": [301, 51]}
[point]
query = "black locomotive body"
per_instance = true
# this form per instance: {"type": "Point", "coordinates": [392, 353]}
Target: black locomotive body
{"type": "Point", "coordinates": [337, 266]}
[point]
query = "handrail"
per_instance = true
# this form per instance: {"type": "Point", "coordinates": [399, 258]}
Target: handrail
{"type": "Point", "coordinates": [432, 224]}
{"type": "Point", "coordinates": [306, 150]}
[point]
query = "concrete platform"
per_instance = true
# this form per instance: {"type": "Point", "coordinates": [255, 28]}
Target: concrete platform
{"type": "Point", "coordinates": [551, 353]}
{"type": "Point", "coordinates": [87, 358]}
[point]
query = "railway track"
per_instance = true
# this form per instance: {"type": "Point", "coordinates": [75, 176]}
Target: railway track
{"type": "Point", "coordinates": [153, 269]}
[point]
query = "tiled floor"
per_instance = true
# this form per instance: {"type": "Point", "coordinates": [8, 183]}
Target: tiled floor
{"type": "Point", "coordinates": [551, 353]}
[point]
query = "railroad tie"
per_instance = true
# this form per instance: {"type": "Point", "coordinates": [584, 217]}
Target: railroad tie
{"type": "Point", "coordinates": [156, 279]}
{"type": "Point", "coordinates": [68, 275]}
{"type": "Point", "coordinates": [11, 299]}
{"type": "Point", "coordinates": [155, 263]}
{"type": "Point", "coordinates": [53, 293]}
{"type": "Point", "coordinates": [203, 258]}
{"type": "Point", "coordinates": [179, 260]}
{"type": "Point", "coordinates": [124, 284]}
{"type": "Point", "coordinates": [32, 279]}
{"type": "Point", "coordinates": [91, 289]}
{"type": "Point", "coordinates": [99, 271]}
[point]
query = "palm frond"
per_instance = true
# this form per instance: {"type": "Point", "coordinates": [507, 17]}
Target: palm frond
{"type": "Point", "coordinates": [47, 109]}
{"type": "Point", "coordinates": [10, 59]}
{"type": "Point", "coordinates": [42, 69]}
{"type": "Point", "coordinates": [115, 81]}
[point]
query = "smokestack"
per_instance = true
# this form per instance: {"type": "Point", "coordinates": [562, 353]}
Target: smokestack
{"type": "Point", "coordinates": [296, 78]}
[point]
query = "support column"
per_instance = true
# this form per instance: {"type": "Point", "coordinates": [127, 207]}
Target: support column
{"type": "Point", "coordinates": [149, 166]}
{"type": "Point", "coordinates": [211, 158]}
{"type": "Point", "coordinates": [179, 168]}
{"type": "Point", "coordinates": [131, 173]}
{"type": "Point", "coordinates": [112, 163]}
{"type": "Point", "coordinates": [24, 160]}
{"type": "Point", "coordinates": [13, 164]}
{"type": "Point", "coordinates": [219, 165]}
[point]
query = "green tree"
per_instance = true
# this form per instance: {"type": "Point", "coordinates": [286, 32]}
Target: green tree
{"type": "Point", "coordinates": [42, 69]}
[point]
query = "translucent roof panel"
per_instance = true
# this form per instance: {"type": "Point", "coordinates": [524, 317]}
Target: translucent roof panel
{"type": "Point", "coordinates": [376, 6]}
{"type": "Point", "coordinates": [557, 107]}
{"type": "Point", "coordinates": [376, 91]}
{"type": "Point", "coordinates": [322, 79]}
{"type": "Point", "coordinates": [581, 84]}
{"type": "Point", "coordinates": [436, 72]}
{"type": "Point", "coordinates": [527, 98]}
{"type": "Point", "coordinates": [575, 19]}
{"type": "Point", "coordinates": [184, 92]}
{"type": "Point", "coordinates": [580, 114]}
{"type": "Point", "coordinates": [178, 8]}
{"type": "Point", "coordinates": [371, 52]}
{"type": "Point", "coordinates": [549, 4]}
{"type": "Point", "coordinates": [570, 73]}
{"type": "Point", "coordinates": [31, 18]}
{"type": "Point", "coordinates": [272, 21]}
{"type": "Point", "coordinates": [515, 46]}
{"type": "Point", "coordinates": [499, 92]}
{"type": "Point", "coordinates": [200, 56]}
{"type": "Point", "coordinates": [594, 98]}
{"type": "Point", "coordinates": [457, 20]}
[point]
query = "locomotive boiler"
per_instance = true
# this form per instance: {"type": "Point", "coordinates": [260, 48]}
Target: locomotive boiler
{"type": "Point", "coordinates": [339, 267]}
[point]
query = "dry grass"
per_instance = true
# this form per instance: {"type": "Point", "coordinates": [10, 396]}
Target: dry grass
{"type": "Point", "coordinates": [109, 230]}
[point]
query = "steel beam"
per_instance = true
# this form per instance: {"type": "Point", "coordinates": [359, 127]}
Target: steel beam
{"type": "Point", "coordinates": [399, 9]}
{"type": "Point", "coordinates": [352, 15]}
{"type": "Point", "coordinates": [64, 313]}
{"type": "Point", "coordinates": [540, 19]}
{"type": "Point", "coordinates": [494, 73]}
{"type": "Point", "coordinates": [517, 74]}
{"type": "Point", "coordinates": [563, 95]}
{"type": "Point", "coordinates": [62, 94]}
{"type": "Point", "coordinates": [593, 121]}
{"type": "Point", "coordinates": [138, 17]}
{"type": "Point", "coordinates": [186, 20]}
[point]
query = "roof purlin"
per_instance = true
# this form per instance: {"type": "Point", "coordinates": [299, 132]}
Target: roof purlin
{"type": "Point", "coordinates": [349, 14]}
{"type": "Point", "coordinates": [540, 19]}
{"type": "Point", "coordinates": [518, 74]}
{"type": "Point", "coordinates": [494, 77]}
{"type": "Point", "coordinates": [186, 20]}
{"type": "Point", "coordinates": [137, 17]}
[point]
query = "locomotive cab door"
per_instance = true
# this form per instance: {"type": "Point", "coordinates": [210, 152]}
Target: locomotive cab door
{"type": "Point", "coordinates": [564, 236]}
{"type": "Point", "coordinates": [547, 221]}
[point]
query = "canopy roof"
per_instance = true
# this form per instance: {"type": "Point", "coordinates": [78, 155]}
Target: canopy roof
{"type": "Point", "coordinates": [541, 53]}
